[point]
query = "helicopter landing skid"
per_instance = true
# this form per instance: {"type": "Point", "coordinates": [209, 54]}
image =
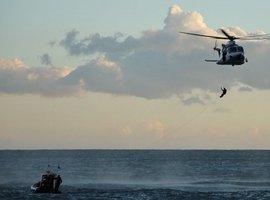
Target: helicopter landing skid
{"type": "Point", "coordinates": [211, 60]}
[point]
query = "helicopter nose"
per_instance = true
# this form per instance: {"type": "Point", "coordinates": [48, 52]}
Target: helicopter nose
{"type": "Point", "coordinates": [240, 57]}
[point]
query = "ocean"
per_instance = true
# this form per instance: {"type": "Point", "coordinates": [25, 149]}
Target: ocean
{"type": "Point", "coordinates": [139, 174]}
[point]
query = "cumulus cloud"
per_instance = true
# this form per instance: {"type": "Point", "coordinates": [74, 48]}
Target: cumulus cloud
{"type": "Point", "coordinates": [162, 63]}
{"type": "Point", "coordinates": [12, 65]}
{"type": "Point", "coordinates": [17, 78]}
{"type": "Point", "coordinates": [158, 64]}
{"type": "Point", "coordinates": [99, 75]}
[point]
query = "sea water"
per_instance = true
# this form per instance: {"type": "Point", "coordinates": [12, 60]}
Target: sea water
{"type": "Point", "coordinates": [138, 174]}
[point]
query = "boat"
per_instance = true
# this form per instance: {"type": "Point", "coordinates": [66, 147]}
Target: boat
{"type": "Point", "coordinates": [50, 183]}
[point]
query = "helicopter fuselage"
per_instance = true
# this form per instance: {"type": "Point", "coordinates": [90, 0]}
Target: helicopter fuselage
{"type": "Point", "coordinates": [232, 54]}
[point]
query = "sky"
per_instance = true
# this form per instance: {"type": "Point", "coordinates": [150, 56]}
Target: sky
{"type": "Point", "coordinates": [116, 74]}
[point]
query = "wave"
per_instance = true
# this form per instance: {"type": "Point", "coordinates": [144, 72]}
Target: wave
{"type": "Point", "coordinates": [127, 192]}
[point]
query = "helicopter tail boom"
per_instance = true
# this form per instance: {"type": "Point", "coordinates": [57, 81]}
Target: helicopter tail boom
{"type": "Point", "coordinates": [211, 60]}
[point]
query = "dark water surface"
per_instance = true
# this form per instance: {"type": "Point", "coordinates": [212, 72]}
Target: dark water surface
{"type": "Point", "coordinates": [139, 174]}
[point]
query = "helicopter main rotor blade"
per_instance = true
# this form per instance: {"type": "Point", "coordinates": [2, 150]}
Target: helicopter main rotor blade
{"type": "Point", "coordinates": [232, 38]}
{"type": "Point", "coordinates": [225, 33]}
{"type": "Point", "coordinates": [257, 36]}
{"type": "Point", "coordinates": [202, 35]}
{"type": "Point", "coordinates": [253, 39]}
{"type": "Point", "coordinates": [229, 37]}
{"type": "Point", "coordinates": [248, 37]}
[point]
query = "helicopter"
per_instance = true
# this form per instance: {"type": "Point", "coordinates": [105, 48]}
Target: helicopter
{"type": "Point", "coordinates": [231, 53]}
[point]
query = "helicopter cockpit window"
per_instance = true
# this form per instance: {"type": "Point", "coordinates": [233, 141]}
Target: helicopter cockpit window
{"type": "Point", "coordinates": [232, 49]}
{"type": "Point", "coordinates": [240, 49]}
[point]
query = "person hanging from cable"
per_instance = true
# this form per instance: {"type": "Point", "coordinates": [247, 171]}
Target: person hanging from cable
{"type": "Point", "coordinates": [224, 91]}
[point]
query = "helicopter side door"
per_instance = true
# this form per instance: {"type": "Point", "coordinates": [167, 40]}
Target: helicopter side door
{"type": "Point", "coordinates": [232, 52]}
{"type": "Point", "coordinates": [224, 54]}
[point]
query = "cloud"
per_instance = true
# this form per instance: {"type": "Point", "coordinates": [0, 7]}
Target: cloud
{"type": "Point", "coordinates": [99, 75]}
{"type": "Point", "coordinates": [156, 127]}
{"type": "Point", "coordinates": [12, 65]}
{"type": "Point", "coordinates": [158, 64]}
{"type": "Point", "coordinates": [162, 63]}
{"type": "Point", "coordinates": [195, 96]}
{"type": "Point", "coordinates": [17, 78]}
{"type": "Point", "coordinates": [256, 135]}
{"type": "Point", "coordinates": [46, 59]}
{"type": "Point", "coordinates": [193, 100]}
{"type": "Point", "coordinates": [245, 89]}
